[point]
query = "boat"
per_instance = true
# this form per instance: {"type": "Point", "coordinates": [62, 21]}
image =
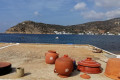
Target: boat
{"type": "Point", "coordinates": [56, 37]}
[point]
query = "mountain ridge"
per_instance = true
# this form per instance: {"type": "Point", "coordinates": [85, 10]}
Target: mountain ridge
{"type": "Point", "coordinates": [96, 27]}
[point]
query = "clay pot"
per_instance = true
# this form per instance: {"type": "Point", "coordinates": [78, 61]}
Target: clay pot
{"type": "Point", "coordinates": [89, 66]}
{"type": "Point", "coordinates": [51, 56]}
{"type": "Point", "coordinates": [113, 68]}
{"type": "Point", "coordinates": [64, 66]}
{"type": "Point", "coordinates": [5, 68]}
{"type": "Point", "coordinates": [19, 72]}
{"type": "Point", "coordinates": [85, 76]}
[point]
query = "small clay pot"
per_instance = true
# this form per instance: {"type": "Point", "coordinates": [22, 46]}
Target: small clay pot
{"type": "Point", "coordinates": [19, 72]}
{"type": "Point", "coordinates": [89, 66]}
{"type": "Point", "coordinates": [64, 66]}
{"type": "Point", "coordinates": [51, 56]}
{"type": "Point", "coordinates": [113, 68]}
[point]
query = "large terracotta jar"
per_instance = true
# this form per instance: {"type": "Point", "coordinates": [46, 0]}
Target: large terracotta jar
{"type": "Point", "coordinates": [113, 68]}
{"type": "Point", "coordinates": [51, 56]}
{"type": "Point", "coordinates": [64, 66]}
{"type": "Point", "coordinates": [89, 66]}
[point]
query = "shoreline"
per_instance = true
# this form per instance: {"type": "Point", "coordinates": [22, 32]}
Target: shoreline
{"type": "Point", "coordinates": [116, 52]}
{"type": "Point", "coordinates": [61, 34]}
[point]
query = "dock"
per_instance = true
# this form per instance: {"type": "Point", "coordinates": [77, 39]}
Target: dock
{"type": "Point", "coordinates": [32, 58]}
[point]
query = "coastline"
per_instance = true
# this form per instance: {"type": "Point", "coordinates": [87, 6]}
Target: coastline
{"type": "Point", "coordinates": [63, 39]}
{"type": "Point", "coordinates": [24, 33]}
{"type": "Point", "coordinates": [60, 34]}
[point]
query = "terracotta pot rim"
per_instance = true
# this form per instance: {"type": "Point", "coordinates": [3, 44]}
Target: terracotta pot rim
{"type": "Point", "coordinates": [52, 51]}
{"type": "Point", "coordinates": [4, 64]}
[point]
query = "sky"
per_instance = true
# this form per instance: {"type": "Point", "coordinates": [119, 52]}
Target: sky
{"type": "Point", "coordinates": [62, 12]}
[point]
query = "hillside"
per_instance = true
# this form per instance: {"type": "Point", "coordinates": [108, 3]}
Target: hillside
{"type": "Point", "coordinates": [98, 27]}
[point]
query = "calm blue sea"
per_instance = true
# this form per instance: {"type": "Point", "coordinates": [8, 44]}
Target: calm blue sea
{"type": "Point", "coordinates": [108, 42]}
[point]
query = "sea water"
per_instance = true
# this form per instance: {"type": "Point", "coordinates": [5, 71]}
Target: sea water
{"type": "Point", "coordinates": [108, 42]}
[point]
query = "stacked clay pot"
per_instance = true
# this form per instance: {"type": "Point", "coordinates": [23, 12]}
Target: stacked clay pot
{"type": "Point", "coordinates": [51, 56]}
{"type": "Point", "coordinates": [113, 68]}
{"type": "Point", "coordinates": [89, 66]}
{"type": "Point", "coordinates": [64, 66]}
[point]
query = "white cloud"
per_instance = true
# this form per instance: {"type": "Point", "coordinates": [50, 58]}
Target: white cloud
{"type": "Point", "coordinates": [113, 13]}
{"type": "Point", "coordinates": [92, 15]}
{"type": "Point", "coordinates": [107, 3]}
{"type": "Point", "coordinates": [101, 15]}
{"type": "Point", "coordinates": [36, 13]}
{"type": "Point", "coordinates": [80, 6]}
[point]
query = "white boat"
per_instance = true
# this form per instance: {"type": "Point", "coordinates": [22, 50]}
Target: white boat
{"type": "Point", "coordinates": [56, 37]}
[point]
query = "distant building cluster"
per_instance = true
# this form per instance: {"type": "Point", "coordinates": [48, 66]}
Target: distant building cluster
{"type": "Point", "coordinates": [62, 32]}
{"type": "Point", "coordinates": [85, 33]}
